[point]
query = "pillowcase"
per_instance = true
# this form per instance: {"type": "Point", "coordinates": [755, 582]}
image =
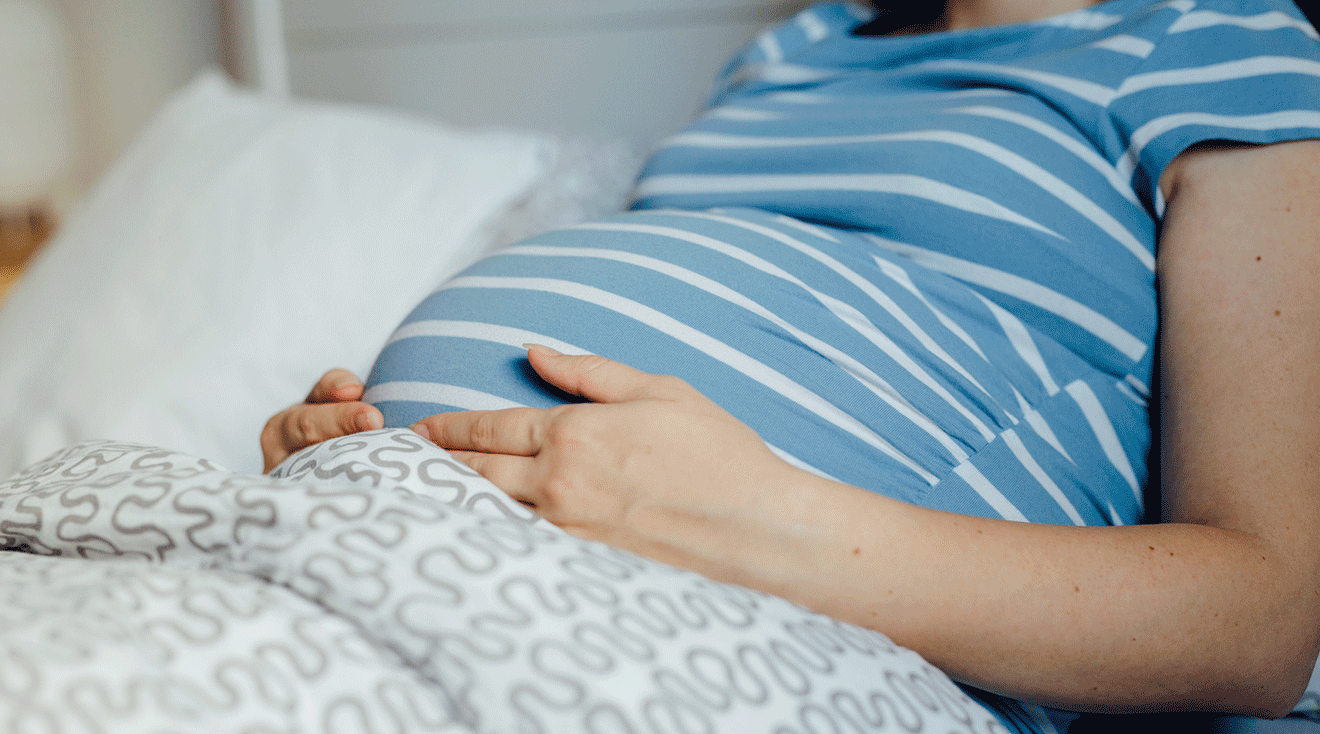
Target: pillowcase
{"type": "Point", "coordinates": [240, 248]}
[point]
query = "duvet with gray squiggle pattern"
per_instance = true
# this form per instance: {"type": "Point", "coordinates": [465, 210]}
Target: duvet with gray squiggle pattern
{"type": "Point", "coordinates": [379, 586]}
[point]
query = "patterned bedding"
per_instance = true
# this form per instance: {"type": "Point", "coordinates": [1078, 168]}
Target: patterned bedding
{"type": "Point", "coordinates": [379, 586]}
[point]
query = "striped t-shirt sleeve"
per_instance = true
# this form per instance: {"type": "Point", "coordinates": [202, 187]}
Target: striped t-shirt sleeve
{"type": "Point", "coordinates": [1217, 73]}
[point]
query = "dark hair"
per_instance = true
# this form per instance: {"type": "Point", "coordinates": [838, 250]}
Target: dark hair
{"type": "Point", "coordinates": [1309, 8]}
{"type": "Point", "coordinates": [894, 15]}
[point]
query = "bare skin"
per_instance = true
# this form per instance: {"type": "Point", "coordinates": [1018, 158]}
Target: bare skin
{"type": "Point", "coordinates": [333, 408]}
{"type": "Point", "coordinates": [965, 14]}
{"type": "Point", "coordinates": [1216, 608]}
{"type": "Point", "coordinates": [962, 15]}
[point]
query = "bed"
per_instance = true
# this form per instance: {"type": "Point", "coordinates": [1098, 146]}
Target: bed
{"type": "Point", "coordinates": [155, 581]}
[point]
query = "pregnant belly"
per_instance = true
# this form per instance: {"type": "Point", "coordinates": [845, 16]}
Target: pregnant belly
{"type": "Point", "coordinates": [846, 360]}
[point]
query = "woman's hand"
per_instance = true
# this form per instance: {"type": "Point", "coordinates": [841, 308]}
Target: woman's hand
{"type": "Point", "coordinates": [649, 465]}
{"type": "Point", "coordinates": [332, 409]}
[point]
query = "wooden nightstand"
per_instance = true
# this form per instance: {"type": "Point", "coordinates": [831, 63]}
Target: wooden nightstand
{"type": "Point", "coordinates": [22, 233]}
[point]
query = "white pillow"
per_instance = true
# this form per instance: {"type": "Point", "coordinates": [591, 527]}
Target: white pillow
{"type": "Point", "coordinates": [239, 248]}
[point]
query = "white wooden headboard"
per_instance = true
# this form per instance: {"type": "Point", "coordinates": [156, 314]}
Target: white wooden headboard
{"type": "Point", "coordinates": [627, 69]}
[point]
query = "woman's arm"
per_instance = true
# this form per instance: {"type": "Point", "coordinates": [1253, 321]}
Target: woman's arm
{"type": "Point", "coordinates": [1217, 609]}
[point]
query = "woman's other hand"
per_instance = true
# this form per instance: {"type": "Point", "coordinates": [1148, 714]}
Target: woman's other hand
{"type": "Point", "coordinates": [333, 408]}
{"type": "Point", "coordinates": [650, 465]}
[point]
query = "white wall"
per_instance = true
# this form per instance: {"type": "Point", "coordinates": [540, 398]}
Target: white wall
{"type": "Point", "coordinates": [129, 55]}
{"type": "Point", "coordinates": [630, 69]}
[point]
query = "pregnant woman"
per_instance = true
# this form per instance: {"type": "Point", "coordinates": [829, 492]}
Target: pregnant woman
{"type": "Point", "coordinates": [879, 336]}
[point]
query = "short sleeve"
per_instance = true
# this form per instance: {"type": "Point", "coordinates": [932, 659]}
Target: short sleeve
{"type": "Point", "coordinates": [1245, 72]}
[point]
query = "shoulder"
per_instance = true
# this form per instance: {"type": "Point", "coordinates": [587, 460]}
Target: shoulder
{"type": "Point", "coordinates": [1214, 70]}
{"type": "Point", "coordinates": [1183, 31]}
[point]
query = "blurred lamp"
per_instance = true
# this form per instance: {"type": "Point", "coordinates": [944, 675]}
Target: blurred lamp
{"type": "Point", "coordinates": [35, 118]}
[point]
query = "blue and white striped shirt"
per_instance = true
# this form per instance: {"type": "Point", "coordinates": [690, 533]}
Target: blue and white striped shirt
{"type": "Point", "coordinates": [923, 265]}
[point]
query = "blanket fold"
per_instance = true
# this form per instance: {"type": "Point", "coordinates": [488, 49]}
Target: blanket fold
{"type": "Point", "coordinates": [374, 584]}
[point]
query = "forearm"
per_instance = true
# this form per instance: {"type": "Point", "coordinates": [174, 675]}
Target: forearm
{"type": "Point", "coordinates": [1219, 613]}
{"type": "Point", "coordinates": [1133, 618]}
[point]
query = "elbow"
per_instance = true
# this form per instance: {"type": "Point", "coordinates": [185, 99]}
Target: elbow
{"type": "Point", "coordinates": [1293, 645]}
{"type": "Point", "coordinates": [1279, 662]}
{"type": "Point", "coordinates": [1267, 649]}
{"type": "Point", "coordinates": [1255, 691]}
{"type": "Point", "coordinates": [1271, 700]}
{"type": "Point", "coordinates": [1285, 693]}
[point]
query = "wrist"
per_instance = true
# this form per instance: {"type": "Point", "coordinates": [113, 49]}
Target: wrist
{"type": "Point", "coordinates": [794, 532]}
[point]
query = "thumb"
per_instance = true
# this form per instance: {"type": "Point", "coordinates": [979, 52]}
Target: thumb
{"type": "Point", "coordinates": [596, 378]}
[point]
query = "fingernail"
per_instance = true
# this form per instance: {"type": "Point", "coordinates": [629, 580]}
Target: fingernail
{"type": "Point", "coordinates": [365, 422]}
{"type": "Point", "coordinates": [421, 430]}
{"type": "Point", "coordinates": [541, 348]}
{"type": "Point", "coordinates": [346, 382]}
